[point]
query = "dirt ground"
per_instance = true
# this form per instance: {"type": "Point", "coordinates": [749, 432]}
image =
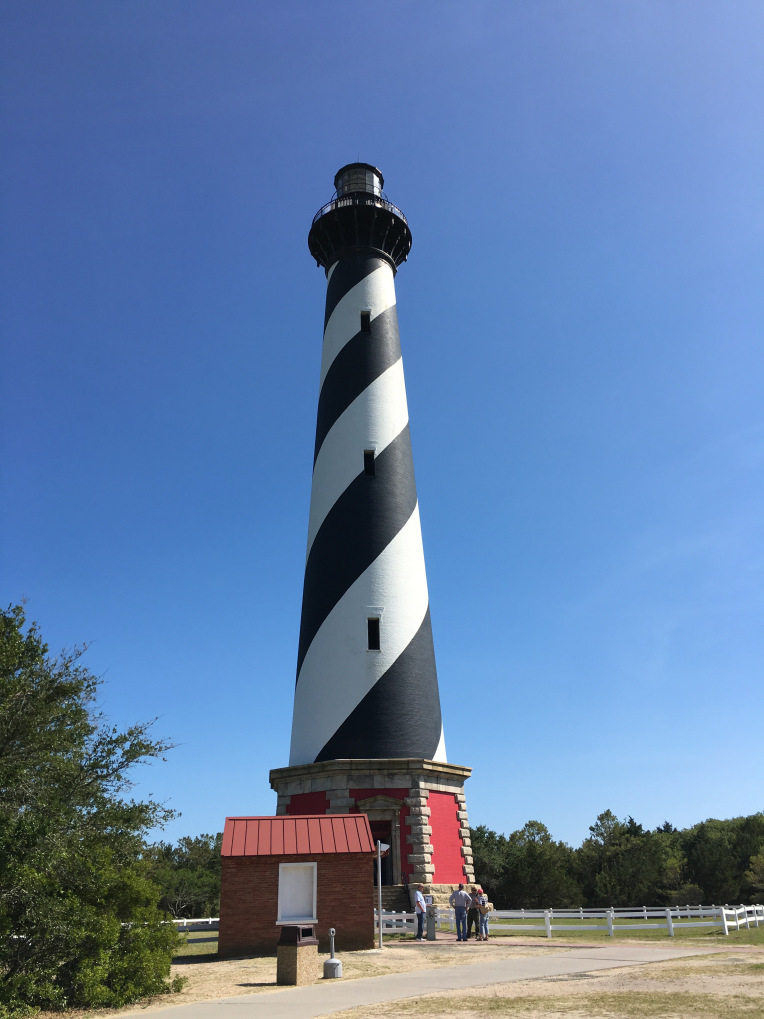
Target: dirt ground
{"type": "Point", "coordinates": [728, 983]}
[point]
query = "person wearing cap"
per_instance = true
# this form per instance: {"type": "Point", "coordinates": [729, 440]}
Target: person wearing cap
{"type": "Point", "coordinates": [473, 914]}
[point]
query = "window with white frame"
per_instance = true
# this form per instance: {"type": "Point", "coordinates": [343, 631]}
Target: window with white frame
{"type": "Point", "coordinates": [297, 893]}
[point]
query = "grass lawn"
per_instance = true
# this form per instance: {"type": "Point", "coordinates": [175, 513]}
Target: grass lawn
{"type": "Point", "coordinates": [752, 936]}
{"type": "Point", "coordinates": [198, 944]}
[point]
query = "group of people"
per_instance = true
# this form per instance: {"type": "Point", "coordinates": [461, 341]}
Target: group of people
{"type": "Point", "coordinates": [467, 911]}
{"type": "Point", "coordinates": [470, 908]}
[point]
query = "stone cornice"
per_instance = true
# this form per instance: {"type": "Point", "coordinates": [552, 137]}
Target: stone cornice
{"type": "Point", "coordinates": [393, 766]}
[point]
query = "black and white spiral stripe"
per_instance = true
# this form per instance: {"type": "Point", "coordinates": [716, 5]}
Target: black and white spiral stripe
{"type": "Point", "coordinates": [364, 555]}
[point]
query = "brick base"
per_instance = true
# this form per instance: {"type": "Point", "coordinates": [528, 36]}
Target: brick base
{"type": "Point", "coordinates": [423, 801]}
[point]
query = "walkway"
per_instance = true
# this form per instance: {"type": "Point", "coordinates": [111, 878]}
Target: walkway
{"type": "Point", "coordinates": [329, 996]}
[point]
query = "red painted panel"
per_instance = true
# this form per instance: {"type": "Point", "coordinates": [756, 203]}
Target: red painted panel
{"type": "Point", "coordinates": [264, 839]}
{"type": "Point", "coordinates": [301, 829]}
{"type": "Point", "coordinates": [277, 838]}
{"type": "Point", "coordinates": [351, 830]}
{"type": "Point", "coordinates": [314, 835]}
{"type": "Point", "coordinates": [406, 866]}
{"type": "Point", "coordinates": [364, 834]}
{"type": "Point", "coordinates": [327, 834]}
{"type": "Point", "coordinates": [340, 838]}
{"type": "Point", "coordinates": [225, 849]}
{"type": "Point", "coordinates": [308, 803]}
{"type": "Point", "coordinates": [251, 825]}
{"type": "Point", "coordinates": [239, 836]}
{"type": "Point", "coordinates": [447, 843]}
{"type": "Point", "coordinates": [290, 837]}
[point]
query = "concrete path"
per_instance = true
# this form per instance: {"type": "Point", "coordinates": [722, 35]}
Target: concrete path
{"type": "Point", "coordinates": [329, 996]}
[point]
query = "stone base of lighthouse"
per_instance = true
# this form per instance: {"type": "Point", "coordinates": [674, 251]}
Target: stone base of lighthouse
{"type": "Point", "coordinates": [417, 807]}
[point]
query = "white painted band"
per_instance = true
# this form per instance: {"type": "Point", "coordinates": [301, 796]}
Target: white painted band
{"type": "Point", "coordinates": [338, 670]}
{"type": "Point", "coordinates": [376, 292]}
{"type": "Point", "coordinates": [372, 421]}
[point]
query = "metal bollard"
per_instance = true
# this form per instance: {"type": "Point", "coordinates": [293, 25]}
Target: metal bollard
{"type": "Point", "coordinates": [332, 966]}
{"type": "Point", "coordinates": [432, 919]}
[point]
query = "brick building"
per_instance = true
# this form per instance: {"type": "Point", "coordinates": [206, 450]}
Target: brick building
{"type": "Point", "coordinates": [296, 870]}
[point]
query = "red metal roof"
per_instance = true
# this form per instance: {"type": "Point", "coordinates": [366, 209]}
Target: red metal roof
{"type": "Point", "coordinates": [289, 835]}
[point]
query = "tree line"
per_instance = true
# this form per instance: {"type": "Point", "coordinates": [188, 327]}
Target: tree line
{"type": "Point", "coordinates": [619, 864]}
{"type": "Point", "coordinates": [623, 864]}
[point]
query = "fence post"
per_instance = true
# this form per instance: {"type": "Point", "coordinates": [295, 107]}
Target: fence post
{"type": "Point", "coordinates": [669, 923]}
{"type": "Point", "coordinates": [644, 912]}
{"type": "Point", "coordinates": [745, 916]}
{"type": "Point", "coordinates": [610, 915]}
{"type": "Point", "coordinates": [548, 922]}
{"type": "Point", "coordinates": [581, 911]}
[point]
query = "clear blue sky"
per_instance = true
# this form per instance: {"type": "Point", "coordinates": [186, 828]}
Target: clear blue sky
{"type": "Point", "coordinates": [581, 320]}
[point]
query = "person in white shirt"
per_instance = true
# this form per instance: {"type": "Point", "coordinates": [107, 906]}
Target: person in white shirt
{"type": "Point", "coordinates": [419, 908]}
{"type": "Point", "coordinates": [460, 901]}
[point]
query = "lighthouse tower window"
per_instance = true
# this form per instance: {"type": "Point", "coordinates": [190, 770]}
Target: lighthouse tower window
{"type": "Point", "coordinates": [372, 625]}
{"type": "Point", "coordinates": [365, 321]}
{"type": "Point", "coordinates": [368, 463]}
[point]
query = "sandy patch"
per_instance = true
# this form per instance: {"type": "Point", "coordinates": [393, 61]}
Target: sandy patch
{"type": "Point", "coordinates": [210, 980]}
{"type": "Point", "coordinates": [699, 987]}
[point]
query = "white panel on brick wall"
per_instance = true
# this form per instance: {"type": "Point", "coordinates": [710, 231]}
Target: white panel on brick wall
{"type": "Point", "coordinates": [297, 893]}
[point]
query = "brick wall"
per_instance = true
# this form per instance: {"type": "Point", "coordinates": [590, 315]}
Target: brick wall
{"type": "Point", "coordinates": [249, 902]}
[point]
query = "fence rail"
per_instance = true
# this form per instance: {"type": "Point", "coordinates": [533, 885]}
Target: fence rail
{"type": "Point", "coordinates": [551, 921]}
{"type": "Point", "coordinates": [205, 923]}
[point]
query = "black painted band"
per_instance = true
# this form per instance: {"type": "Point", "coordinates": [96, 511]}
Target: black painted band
{"type": "Point", "coordinates": [357, 529]}
{"type": "Point", "coordinates": [400, 715]}
{"type": "Point", "coordinates": [350, 270]}
{"type": "Point", "coordinates": [362, 360]}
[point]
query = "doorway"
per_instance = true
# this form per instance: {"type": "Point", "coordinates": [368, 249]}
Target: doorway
{"type": "Point", "coordinates": [381, 831]}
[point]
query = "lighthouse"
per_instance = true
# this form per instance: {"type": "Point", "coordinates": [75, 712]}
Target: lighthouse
{"type": "Point", "coordinates": [367, 730]}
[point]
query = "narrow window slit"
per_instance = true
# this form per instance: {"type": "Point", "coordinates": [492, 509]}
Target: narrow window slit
{"type": "Point", "coordinates": [372, 626]}
{"type": "Point", "coordinates": [369, 468]}
{"type": "Point", "coordinates": [365, 321]}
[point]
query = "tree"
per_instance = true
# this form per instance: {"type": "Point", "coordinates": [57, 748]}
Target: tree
{"type": "Point", "coordinates": [539, 870]}
{"type": "Point", "coordinates": [621, 864]}
{"type": "Point", "coordinates": [528, 869]}
{"type": "Point", "coordinates": [754, 876]}
{"type": "Point", "coordinates": [79, 922]}
{"type": "Point", "coordinates": [489, 852]}
{"type": "Point", "coordinates": [188, 875]}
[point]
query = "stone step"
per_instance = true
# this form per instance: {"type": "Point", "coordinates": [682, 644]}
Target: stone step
{"type": "Point", "coordinates": [395, 899]}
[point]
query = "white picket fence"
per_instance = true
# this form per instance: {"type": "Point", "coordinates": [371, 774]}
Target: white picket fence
{"type": "Point", "coordinates": [206, 923]}
{"type": "Point", "coordinates": [553, 921]}
{"type": "Point", "coordinates": [395, 923]}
